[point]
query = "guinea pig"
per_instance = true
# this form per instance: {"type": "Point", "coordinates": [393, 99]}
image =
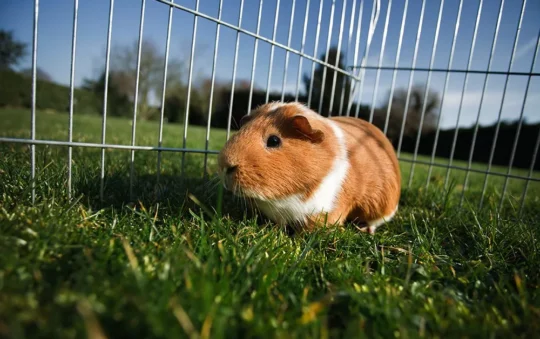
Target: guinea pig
{"type": "Point", "coordinates": [304, 170]}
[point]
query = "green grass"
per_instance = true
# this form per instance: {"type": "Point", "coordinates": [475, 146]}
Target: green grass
{"type": "Point", "coordinates": [166, 265]}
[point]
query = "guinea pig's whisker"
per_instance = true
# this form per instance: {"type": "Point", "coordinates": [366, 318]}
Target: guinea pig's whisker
{"type": "Point", "coordinates": [214, 185]}
{"type": "Point", "coordinates": [211, 184]}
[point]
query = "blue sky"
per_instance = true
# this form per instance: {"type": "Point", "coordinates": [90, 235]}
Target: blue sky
{"type": "Point", "coordinates": [56, 23]}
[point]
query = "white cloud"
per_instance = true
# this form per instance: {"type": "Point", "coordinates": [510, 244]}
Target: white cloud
{"type": "Point", "coordinates": [491, 105]}
{"type": "Point", "coordinates": [529, 46]}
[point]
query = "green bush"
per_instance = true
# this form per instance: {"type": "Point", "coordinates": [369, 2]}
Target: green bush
{"type": "Point", "coordinates": [16, 91]}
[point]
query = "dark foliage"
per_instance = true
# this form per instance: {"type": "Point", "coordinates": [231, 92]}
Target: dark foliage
{"type": "Point", "coordinates": [48, 96]}
{"type": "Point", "coordinates": [323, 84]}
{"type": "Point", "coordinates": [11, 50]}
{"type": "Point", "coordinates": [118, 103]}
{"type": "Point", "coordinates": [484, 140]}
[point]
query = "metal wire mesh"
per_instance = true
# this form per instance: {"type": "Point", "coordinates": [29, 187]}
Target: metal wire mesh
{"type": "Point", "coordinates": [356, 73]}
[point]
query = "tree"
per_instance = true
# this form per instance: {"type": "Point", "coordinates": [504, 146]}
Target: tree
{"type": "Point", "coordinates": [118, 103]}
{"type": "Point", "coordinates": [342, 83]}
{"type": "Point", "coordinates": [124, 66]}
{"type": "Point", "coordinates": [40, 74]}
{"type": "Point", "coordinates": [414, 112]}
{"type": "Point", "coordinates": [122, 81]}
{"type": "Point", "coordinates": [11, 50]}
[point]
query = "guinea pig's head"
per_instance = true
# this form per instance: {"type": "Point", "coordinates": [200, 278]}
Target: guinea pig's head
{"type": "Point", "coordinates": [281, 149]}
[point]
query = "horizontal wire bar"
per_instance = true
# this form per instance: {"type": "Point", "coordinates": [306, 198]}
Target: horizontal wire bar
{"type": "Point", "coordinates": [449, 70]}
{"type": "Point", "coordinates": [111, 146]}
{"type": "Point", "coordinates": [421, 162]}
{"type": "Point", "coordinates": [202, 151]}
{"type": "Point", "coordinates": [257, 36]}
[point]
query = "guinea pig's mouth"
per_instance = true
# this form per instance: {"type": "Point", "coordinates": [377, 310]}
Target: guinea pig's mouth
{"type": "Point", "coordinates": [247, 193]}
{"type": "Point", "coordinates": [243, 192]}
{"type": "Point", "coordinates": [232, 186]}
{"type": "Point", "coordinates": [230, 183]}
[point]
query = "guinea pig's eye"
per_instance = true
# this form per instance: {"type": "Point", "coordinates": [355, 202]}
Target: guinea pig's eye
{"type": "Point", "coordinates": [273, 141]}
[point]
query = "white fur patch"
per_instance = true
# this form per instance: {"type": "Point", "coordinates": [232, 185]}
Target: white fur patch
{"type": "Point", "coordinates": [378, 222]}
{"type": "Point", "coordinates": [275, 105]}
{"type": "Point", "coordinates": [293, 208]}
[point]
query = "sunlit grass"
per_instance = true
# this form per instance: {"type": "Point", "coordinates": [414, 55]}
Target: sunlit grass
{"type": "Point", "coordinates": [167, 263]}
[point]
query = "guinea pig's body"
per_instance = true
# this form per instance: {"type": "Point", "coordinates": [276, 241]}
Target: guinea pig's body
{"type": "Point", "coordinates": [302, 169]}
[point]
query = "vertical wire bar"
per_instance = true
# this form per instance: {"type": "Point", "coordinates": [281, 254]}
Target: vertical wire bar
{"type": "Point", "coordinates": [302, 52]}
{"type": "Point", "coordinates": [484, 86]}
{"type": "Point", "coordinates": [315, 48]}
{"type": "Point", "coordinates": [252, 83]}
{"type": "Point", "coordinates": [371, 31]}
{"type": "Point", "coordinates": [235, 63]}
{"type": "Point", "coordinates": [272, 49]}
{"type": "Point", "coordinates": [411, 76]}
{"type": "Point", "coordinates": [396, 65]}
{"type": "Point", "coordinates": [287, 52]}
{"type": "Point", "coordinates": [381, 57]}
{"type": "Point", "coordinates": [336, 63]}
{"type": "Point", "coordinates": [136, 99]}
{"type": "Point", "coordinates": [105, 98]}
{"type": "Point", "coordinates": [518, 131]}
{"type": "Point", "coordinates": [347, 55]}
{"type": "Point", "coordinates": [494, 144]}
{"type": "Point", "coordinates": [352, 90]}
{"type": "Point", "coordinates": [190, 80]}
{"type": "Point", "coordinates": [164, 91]}
{"type": "Point", "coordinates": [33, 110]}
{"type": "Point", "coordinates": [446, 80]}
{"type": "Point", "coordinates": [328, 40]}
{"type": "Point", "coordinates": [529, 176]}
{"type": "Point", "coordinates": [72, 91]}
{"type": "Point", "coordinates": [463, 91]}
{"type": "Point", "coordinates": [419, 133]}
{"type": "Point", "coordinates": [213, 81]}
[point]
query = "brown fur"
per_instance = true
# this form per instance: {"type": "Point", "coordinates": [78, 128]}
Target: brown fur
{"type": "Point", "coordinates": [373, 185]}
{"type": "Point", "coordinates": [370, 191]}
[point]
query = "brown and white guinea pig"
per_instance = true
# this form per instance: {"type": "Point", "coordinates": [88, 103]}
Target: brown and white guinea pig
{"type": "Point", "coordinates": [302, 169]}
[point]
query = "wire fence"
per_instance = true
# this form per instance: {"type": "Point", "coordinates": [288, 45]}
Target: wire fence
{"type": "Point", "coordinates": [355, 72]}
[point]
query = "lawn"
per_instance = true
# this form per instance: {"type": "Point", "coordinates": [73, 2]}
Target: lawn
{"type": "Point", "coordinates": [176, 260]}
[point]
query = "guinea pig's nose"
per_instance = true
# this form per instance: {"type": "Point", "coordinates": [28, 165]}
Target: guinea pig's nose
{"type": "Point", "coordinates": [231, 169]}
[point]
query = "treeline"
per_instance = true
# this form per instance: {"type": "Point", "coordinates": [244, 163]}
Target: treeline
{"type": "Point", "coordinates": [15, 91]}
{"type": "Point", "coordinates": [528, 137]}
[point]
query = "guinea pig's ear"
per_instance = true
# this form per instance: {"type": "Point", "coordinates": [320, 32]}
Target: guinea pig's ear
{"type": "Point", "coordinates": [302, 125]}
{"type": "Point", "coordinates": [245, 119]}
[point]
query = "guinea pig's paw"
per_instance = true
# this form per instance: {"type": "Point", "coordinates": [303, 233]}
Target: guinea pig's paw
{"type": "Point", "coordinates": [368, 229]}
